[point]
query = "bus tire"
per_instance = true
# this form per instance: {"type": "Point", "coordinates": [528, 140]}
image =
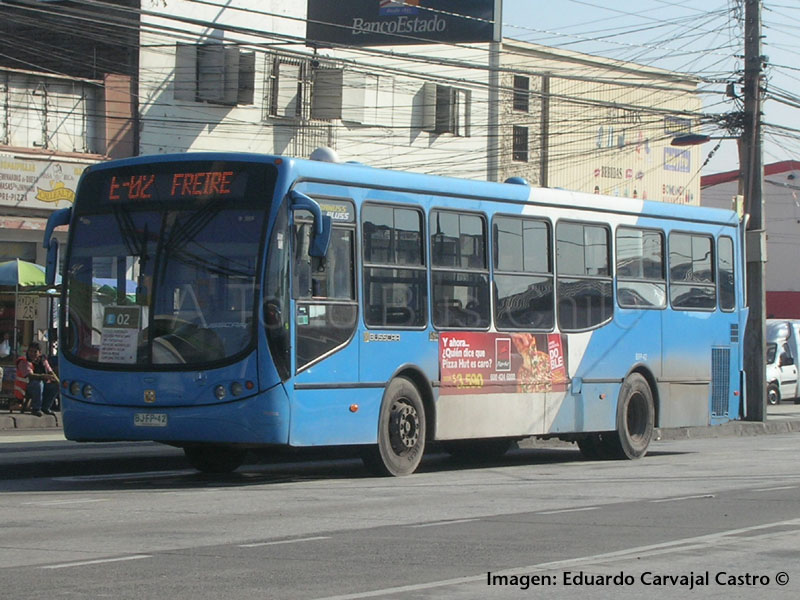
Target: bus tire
{"type": "Point", "coordinates": [773, 394]}
{"type": "Point", "coordinates": [401, 431]}
{"type": "Point", "coordinates": [215, 459]}
{"type": "Point", "coordinates": [635, 419]}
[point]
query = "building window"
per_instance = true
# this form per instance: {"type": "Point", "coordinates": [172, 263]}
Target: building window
{"type": "Point", "coordinates": [446, 109]}
{"type": "Point", "coordinates": [520, 150]}
{"type": "Point", "coordinates": [214, 73]}
{"type": "Point", "coordinates": [521, 93]}
{"type": "Point", "coordinates": [285, 87]}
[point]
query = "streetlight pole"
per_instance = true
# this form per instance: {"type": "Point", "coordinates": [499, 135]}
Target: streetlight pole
{"type": "Point", "coordinates": [750, 181]}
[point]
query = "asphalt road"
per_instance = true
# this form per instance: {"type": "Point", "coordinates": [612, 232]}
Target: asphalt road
{"type": "Point", "coordinates": [133, 521]}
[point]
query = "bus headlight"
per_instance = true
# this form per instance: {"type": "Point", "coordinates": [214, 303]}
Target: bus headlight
{"type": "Point", "coordinates": [237, 388]}
{"type": "Point", "coordinates": [87, 391]}
{"type": "Point", "coordinates": [219, 392]}
{"type": "Point", "coordinates": [75, 388]}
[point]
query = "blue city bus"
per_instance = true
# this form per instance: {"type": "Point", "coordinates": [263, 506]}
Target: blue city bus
{"type": "Point", "coordinates": [221, 302]}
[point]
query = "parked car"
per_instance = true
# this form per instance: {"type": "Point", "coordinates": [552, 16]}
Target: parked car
{"type": "Point", "coordinates": [783, 350]}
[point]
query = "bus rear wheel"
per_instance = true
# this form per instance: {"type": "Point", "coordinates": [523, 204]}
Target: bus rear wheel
{"type": "Point", "coordinates": [635, 420]}
{"type": "Point", "coordinates": [215, 459]}
{"type": "Point", "coordinates": [401, 431]}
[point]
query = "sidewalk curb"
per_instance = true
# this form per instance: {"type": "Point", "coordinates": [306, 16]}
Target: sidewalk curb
{"type": "Point", "coordinates": [21, 421]}
{"type": "Point", "coordinates": [729, 429]}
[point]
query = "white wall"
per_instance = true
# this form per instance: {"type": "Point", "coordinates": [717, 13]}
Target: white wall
{"type": "Point", "coordinates": [781, 193]}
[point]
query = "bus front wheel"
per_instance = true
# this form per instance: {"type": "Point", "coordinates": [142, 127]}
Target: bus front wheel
{"type": "Point", "coordinates": [401, 431]}
{"type": "Point", "coordinates": [635, 419]}
{"type": "Point", "coordinates": [215, 459]}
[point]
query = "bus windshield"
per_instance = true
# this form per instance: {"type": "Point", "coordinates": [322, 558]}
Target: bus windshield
{"type": "Point", "coordinates": [168, 279]}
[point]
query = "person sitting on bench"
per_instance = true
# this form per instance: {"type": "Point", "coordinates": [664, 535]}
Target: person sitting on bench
{"type": "Point", "coordinates": [36, 380]}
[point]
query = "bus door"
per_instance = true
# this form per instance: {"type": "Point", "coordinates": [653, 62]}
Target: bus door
{"type": "Point", "coordinates": [325, 353]}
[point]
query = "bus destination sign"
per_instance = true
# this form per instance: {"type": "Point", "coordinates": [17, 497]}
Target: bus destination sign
{"type": "Point", "coordinates": [127, 186]}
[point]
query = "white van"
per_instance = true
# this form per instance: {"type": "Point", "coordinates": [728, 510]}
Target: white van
{"type": "Point", "coordinates": [783, 350]}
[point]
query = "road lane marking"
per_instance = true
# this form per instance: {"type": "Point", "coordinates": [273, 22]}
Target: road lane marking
{"type": "Point", "coordinates": [308, 539]}
{"type": "Point", "coordinates": [439, 523]}
{"type": "Point", "coordinates": [99, 561]}
{"type": "Point", "coordinates": [683, 498]}
{"type": "Point", "coordinates": [775, 489]}
{"type": "Point", "coordinates": [682, 545]}
{"type": "Point", "coordinates": [120, 476]}
{"type": "Point", "coordinates": [567, 510]}
{"type": "Point", "coordinates": [64, 502]}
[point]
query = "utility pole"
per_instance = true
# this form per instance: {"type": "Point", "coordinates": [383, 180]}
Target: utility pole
{"type": "Point", "coordinates": [751, 179]}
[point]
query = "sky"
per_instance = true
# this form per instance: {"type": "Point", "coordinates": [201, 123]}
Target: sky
{"type": "Point", "coordinates": [699, 37]}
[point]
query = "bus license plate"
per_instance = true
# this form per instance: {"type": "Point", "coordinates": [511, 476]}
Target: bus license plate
{"type": "Point", "coordinates": [150, 419]}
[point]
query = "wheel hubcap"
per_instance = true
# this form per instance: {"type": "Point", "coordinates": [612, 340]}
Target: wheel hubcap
{"type": "Point", "coordinates": [403, 427]}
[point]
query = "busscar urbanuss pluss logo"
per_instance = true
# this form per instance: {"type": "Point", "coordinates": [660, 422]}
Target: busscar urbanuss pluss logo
{"type": "Point", "coordinates": [149, 396]}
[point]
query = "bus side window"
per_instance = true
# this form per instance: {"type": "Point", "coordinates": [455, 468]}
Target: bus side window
{"type": "Point", "coordinates": [584, 284]}
{"type": "Point", "coordinates": [523, 274]}
{"type": "Point", "coordinates": [727, 274]}
{"type": "Point", "coordinates": [395, 282]}
{"type": "Point", "coordinates": [691, 271]}
{"type": "Point", "coordinates": [641, 280]}
{"type": "Point", "coordinates": [459, 270]}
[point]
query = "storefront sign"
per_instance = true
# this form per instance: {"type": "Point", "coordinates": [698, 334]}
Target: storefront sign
{"type": "Point", "coordinates": [27, 307]}
{"type": "Point", "coordinates": [38, 183]}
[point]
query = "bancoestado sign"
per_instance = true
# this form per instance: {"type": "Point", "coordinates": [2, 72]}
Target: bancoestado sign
{"type": "Point", "coordinates": [393, 22]}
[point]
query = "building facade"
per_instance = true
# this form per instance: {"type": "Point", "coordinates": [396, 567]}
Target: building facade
{"type": "Point", "coordinates": [583, 123]}
{"type": "Point", "coordinates": [781, 195]}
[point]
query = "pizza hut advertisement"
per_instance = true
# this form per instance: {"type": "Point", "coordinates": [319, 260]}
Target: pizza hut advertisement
{"type": "Point", "coordinates": [496, 363]}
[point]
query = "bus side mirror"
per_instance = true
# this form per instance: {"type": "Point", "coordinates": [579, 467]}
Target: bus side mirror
{"type": "Point", "coordinates": [322, 223]}
{"type": "Point", "coordinates": [58, 218]}
{"type": "Point", "coordinates": [321, 241]}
